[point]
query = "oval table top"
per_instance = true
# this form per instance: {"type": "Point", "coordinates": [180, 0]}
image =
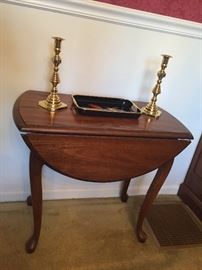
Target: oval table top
{"type": "Point", "coordinates": [30, 117]}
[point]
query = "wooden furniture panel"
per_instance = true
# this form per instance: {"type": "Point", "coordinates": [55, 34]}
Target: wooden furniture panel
{"type": "Point", "coordinates": [190, 190]}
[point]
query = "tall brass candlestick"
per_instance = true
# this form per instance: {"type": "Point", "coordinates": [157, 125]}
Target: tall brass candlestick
{"type": "Point", "coordinates": [53, 103]}
{"type": "Point", "coordinates": [151, 108]}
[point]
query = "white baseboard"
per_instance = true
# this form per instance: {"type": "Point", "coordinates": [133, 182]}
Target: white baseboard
{"type": "Point", "coordinates": [82, 193]}
{"type": "Point", "coordinates": [17, 196]}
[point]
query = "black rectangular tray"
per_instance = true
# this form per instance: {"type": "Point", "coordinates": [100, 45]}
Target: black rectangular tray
{"type": "Point", "coordinates": [105, 106]}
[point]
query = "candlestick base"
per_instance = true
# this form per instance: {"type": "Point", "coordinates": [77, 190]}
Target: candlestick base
{"type": "Point", "coordinates": [52, 103]}
{"type": "Point", "coordinates": [151, 110]}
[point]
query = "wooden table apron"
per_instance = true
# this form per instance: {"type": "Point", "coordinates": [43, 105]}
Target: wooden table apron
{"type": "Point", "coordinates": [96, 149]}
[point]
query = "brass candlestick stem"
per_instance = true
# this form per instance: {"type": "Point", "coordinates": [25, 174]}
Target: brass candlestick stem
{"type": "Point", "coordinates": [151, 108]}
{"type": "Point", "coordinates": [53, 103]}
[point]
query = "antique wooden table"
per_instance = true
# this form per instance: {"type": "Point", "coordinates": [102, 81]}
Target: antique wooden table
{"type": "Point", "coordinates": [97, 149]}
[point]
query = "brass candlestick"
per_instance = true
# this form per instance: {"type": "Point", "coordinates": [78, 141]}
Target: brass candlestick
{"type": "Point", "coordinates": [53, 103]}
{"type": "Point", "coordinates": [151, 109]}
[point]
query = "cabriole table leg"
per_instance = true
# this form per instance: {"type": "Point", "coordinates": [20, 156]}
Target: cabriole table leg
{"type": "Point", "coordinates": [36, 200]}
{"type": "Point", "coordinates": [152, 192]}
{"type": "Point", "coordinates": [124, 189]}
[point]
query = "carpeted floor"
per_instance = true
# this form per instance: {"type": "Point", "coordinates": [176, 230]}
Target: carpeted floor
{"type": "Point", "coordinates": [87, 234]}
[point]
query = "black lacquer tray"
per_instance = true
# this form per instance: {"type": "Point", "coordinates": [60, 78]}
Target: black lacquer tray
{"type": "Point", "coordinates": [105, 106]}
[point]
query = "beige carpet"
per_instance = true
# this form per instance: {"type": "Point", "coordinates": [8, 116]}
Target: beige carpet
{"type": "Point", "coordinates": [90, 234]}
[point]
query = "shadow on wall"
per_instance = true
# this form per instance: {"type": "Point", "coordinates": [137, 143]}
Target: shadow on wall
{"type": "Point", "coordinates": [149, 79]}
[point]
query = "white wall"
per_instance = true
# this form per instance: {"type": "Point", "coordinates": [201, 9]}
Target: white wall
{"type": "Point", "coordinates": [110, 56]}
